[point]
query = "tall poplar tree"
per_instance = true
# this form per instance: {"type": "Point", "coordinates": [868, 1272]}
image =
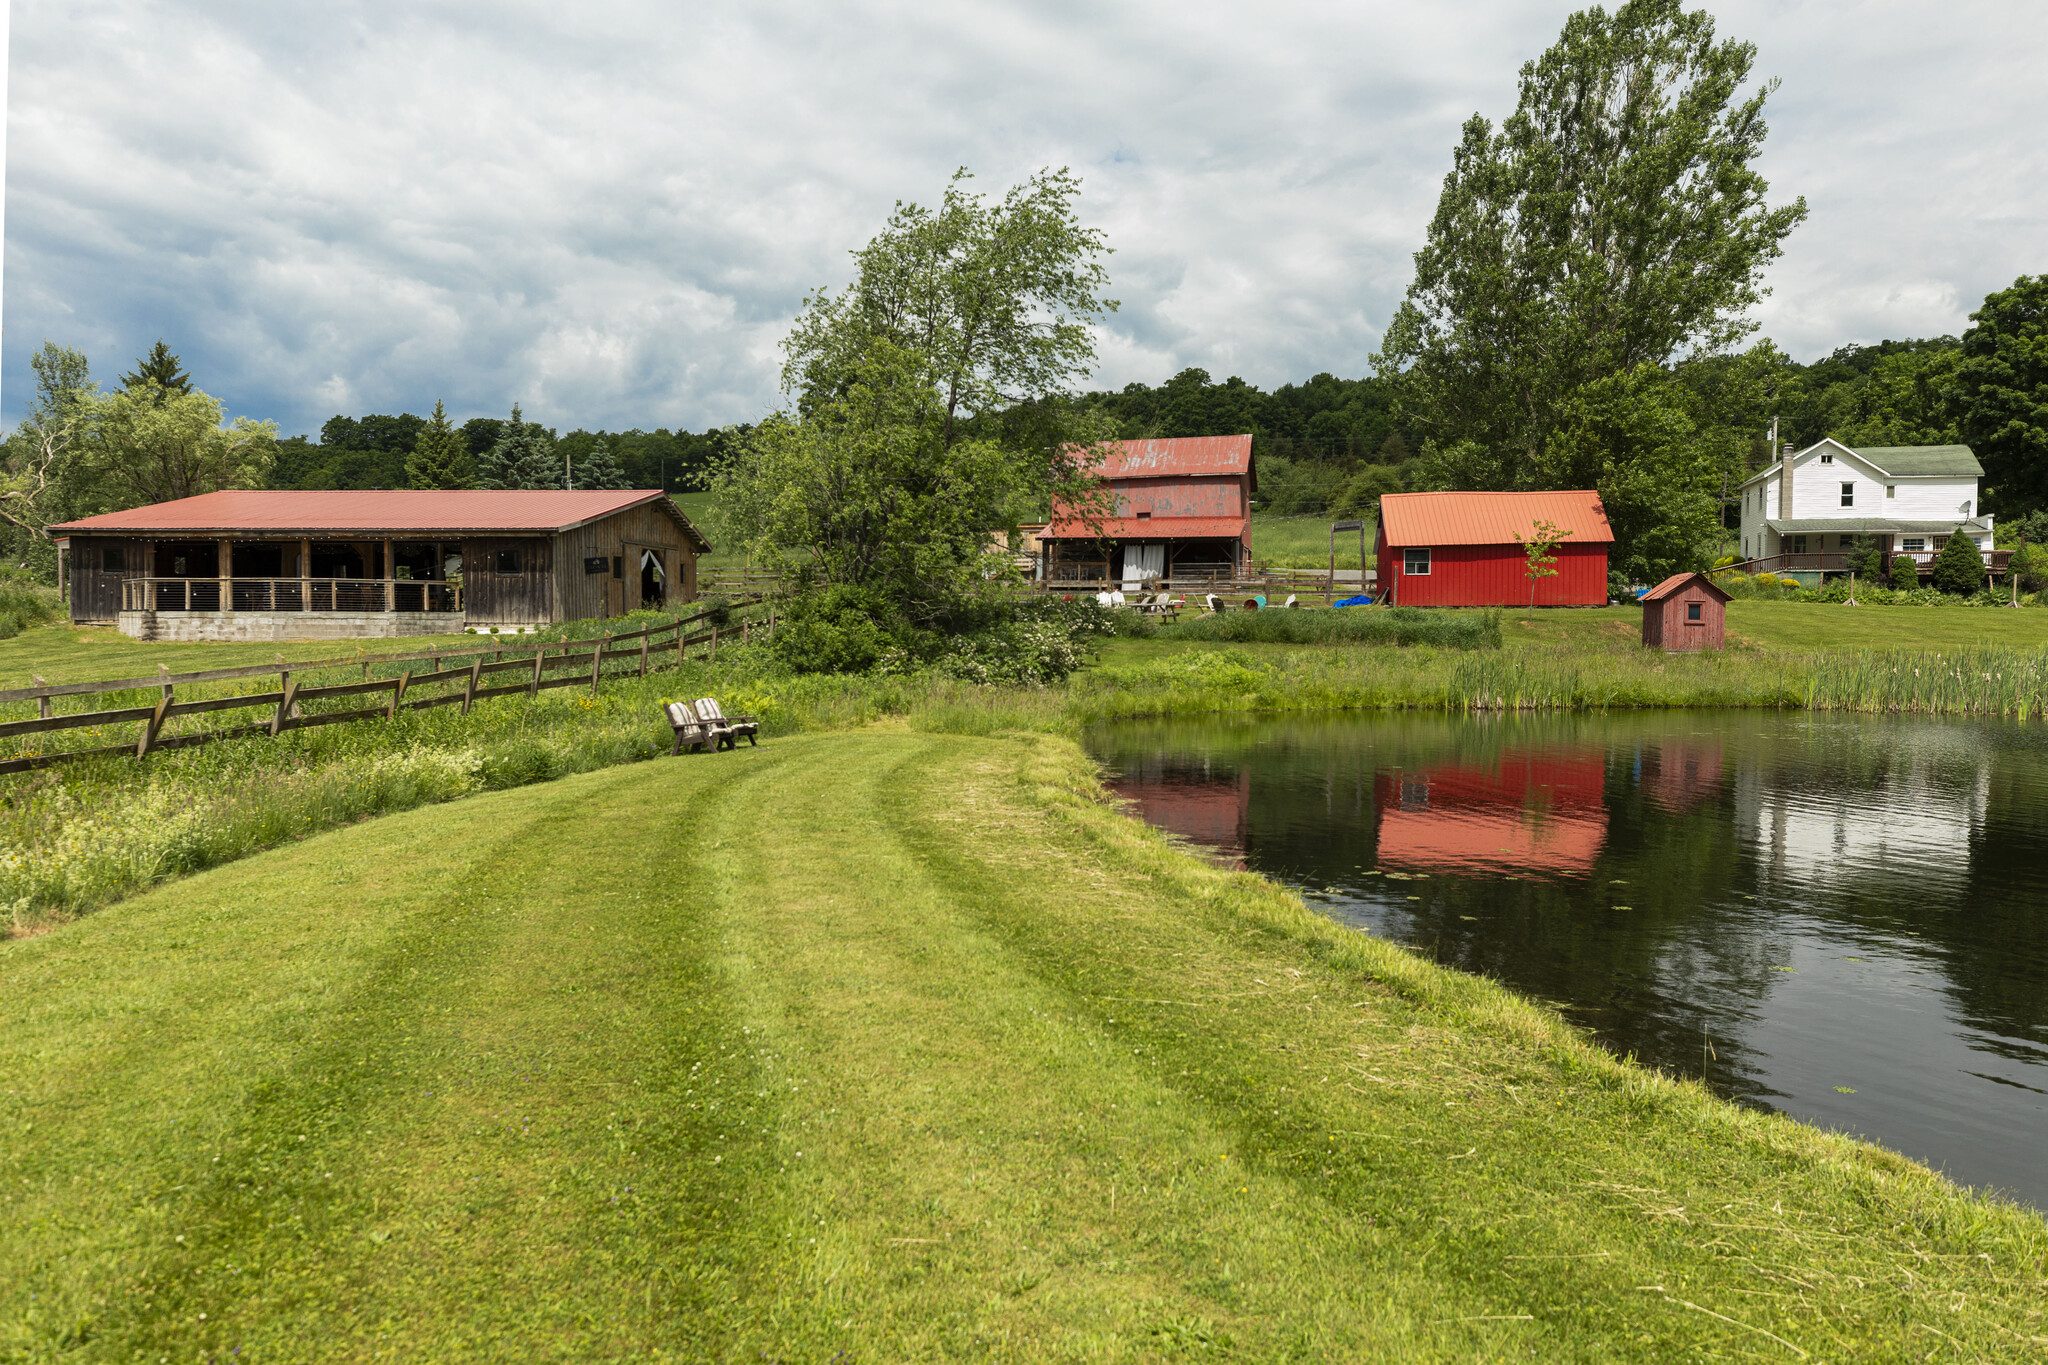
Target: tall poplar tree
{"type": "Point", "coordinates": [440, 458]}
{"type": "Point", "coordinates": [1611, 229]}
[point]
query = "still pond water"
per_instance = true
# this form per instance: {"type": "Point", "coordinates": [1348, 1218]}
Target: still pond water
{"type": "Point", "coordinates": [1842, 919]}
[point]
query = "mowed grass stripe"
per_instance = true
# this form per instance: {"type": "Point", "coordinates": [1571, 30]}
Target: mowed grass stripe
{"type": "Point", "coordinates": [529, 1117]}
{"type": "Point", "coordinates": [884, 1046]}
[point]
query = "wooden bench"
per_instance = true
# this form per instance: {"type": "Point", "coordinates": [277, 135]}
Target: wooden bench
{"type": "Point", "coordinates": [690, 728]}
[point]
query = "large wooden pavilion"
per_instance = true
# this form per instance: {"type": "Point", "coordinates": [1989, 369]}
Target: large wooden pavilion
{"type": "Point", "coordinates": [253, 564]}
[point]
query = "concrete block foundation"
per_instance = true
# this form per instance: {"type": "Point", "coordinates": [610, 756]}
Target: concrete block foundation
{"type": "Point", "coordinates": [256, 626]}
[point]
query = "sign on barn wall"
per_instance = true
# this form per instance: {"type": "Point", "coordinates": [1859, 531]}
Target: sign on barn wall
{"type": "Point", "coordinates": [597, 564]}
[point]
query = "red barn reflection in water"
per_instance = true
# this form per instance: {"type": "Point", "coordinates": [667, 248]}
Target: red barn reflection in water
{"type": "Point", "coordinates": [1680, 773]}
{"type": "Point", "coordinates": [1208, 810]}
{"type": "Point", "coordinates": [1524, 811]}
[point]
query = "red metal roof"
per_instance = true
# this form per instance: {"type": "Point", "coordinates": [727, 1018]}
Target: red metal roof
{"type": "Point", "coordinates": [1177, 455]}
{"type": "Point", "coordinates": [1490, 518]}
{"type": "Point", "coordinates": [404, 511]}
{"type": "Point", "coordinates": [1149, 528]}
{"type": "Point", "coordinates": [1678, 581]}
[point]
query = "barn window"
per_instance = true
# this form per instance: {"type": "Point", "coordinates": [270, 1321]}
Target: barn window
{"type": "Point", "coordinates": [1692, 611]}
{"type": "Point", "coordinates": [1848, 495]}
{"type": "Point", "coordinates": [1415, 562]}
{"type": "Point", "coordinates": [113, 560]}
{"type": "Point", "coordinates": [508, 561]}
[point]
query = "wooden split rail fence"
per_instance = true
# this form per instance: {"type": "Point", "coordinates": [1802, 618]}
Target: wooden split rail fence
{"type": "Point", "coordinates": [587, 657]}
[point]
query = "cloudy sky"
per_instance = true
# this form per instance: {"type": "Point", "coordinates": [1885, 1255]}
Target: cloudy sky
{"type": "Point", "coordinates": [609, 212]}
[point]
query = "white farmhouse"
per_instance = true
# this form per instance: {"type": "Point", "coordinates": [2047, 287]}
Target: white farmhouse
{"type": "Point", "coordinates": [1810, 511]}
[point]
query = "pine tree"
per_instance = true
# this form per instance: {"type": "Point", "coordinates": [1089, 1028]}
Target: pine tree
{"type": "Point", "coordinates": [601, 468]}
{"type": "Point", "coordinates": [440, 458]}
{"type": "Point", "coordinates": [159, 367]}
{"type": "Point", "coordinates": [522, 458]}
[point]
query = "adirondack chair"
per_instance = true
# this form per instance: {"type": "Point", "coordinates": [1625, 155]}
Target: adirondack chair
{"type": "Point", "coordinates": [690, 728]}
{"type": "Point", "coordinates": [728, 728]}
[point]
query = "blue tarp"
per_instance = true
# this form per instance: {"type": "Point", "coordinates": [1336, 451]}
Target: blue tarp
{"type": "Point", "coordinates": [1360, 601]}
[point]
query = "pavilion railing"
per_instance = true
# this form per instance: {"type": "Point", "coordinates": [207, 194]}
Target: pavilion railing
{"type": "Point", "coordinates": [290, 594]}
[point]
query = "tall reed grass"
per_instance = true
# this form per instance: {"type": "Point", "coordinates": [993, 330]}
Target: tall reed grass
{"type": "Point", "coordinates": [1352, 625]}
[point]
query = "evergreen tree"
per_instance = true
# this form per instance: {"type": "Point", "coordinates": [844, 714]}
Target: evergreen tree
{"type": "Point", "coordinates": [1905, 574]}
{"type": "Point", "coordinates": [159, 367]}
{"type": "Point", "coordinates": [601, 468]}
{"type": "Point", "coordinates": [1959, 568]}
{"type": "Point", "coordinates": [440, 458]}
{"type": "Point", "coordinates": [522, 458]}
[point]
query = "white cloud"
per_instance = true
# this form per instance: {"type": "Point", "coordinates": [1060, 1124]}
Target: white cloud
{"type": "Point", "coordinates": [610, 213]}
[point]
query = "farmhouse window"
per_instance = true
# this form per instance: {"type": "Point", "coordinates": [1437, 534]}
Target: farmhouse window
{"type": "Point", "coordinates": [113, 560]}
{"type": "Point", "coordinates": [1827, 457]}
{"type": "Point", "coordinates": [508, 561]}
{"type": "Point", "coordinates": [1939, 541]}
{"type": "Point", "coordinates": [1914, 545]}
{"type": "Point", "coordinates": [1415, 562]}
{"type": "Point", "coordinates": [1692, 611]}
{"type": "Point", "coordinates": [1891, 490]}
{"type": "Point", "coordinates": [1799, 545]}
{"type": "Point", "coordinates": [1848, 495]}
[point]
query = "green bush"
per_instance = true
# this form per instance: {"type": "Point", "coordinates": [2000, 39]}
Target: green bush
{"type": "Point", "coordinates": [842, 629]}
{"type": "Point", "coordinates": [1346, 625]}
{"type": "Point", "coordinates": [2030, 562]}
{"type": "Point", "coordinates": [1905, 575]}
{"type": "Point", "coordinates": [25, 603]}
{"type": "Point", "coordinates": [1959, 568]}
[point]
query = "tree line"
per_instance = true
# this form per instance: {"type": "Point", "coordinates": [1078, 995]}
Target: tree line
{"type": "Point", "coordinates": [374, 451]}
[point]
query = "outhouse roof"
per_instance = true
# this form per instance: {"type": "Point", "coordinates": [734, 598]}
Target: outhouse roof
{"type": "Point", "coordinates": [411, 512]}
{"type": "Point", "coordinates": [1491, 518]}
{"type": "Point", "coordinates": [1678, 583]}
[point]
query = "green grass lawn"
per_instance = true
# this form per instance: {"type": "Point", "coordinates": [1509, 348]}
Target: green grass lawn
{"type": "Point", "coordinates": [881, 1046]}
{"type": "Point", "coordinates": [67, 653]}
{"type": "Point", "coordinates": [1303, 542]}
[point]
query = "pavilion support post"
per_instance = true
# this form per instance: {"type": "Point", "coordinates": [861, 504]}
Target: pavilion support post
{"type": "Point", "coordinates": [227, 575]}
{"type": "Point", "coordinates": [390, 580]}
{"type": "Point", "coordinates": [305, 573]}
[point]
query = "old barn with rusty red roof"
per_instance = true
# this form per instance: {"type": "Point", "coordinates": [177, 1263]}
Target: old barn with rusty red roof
{"type": "Point", "coordinates": [1465, 549]}
{"type": "Point", "coordinates": [256, 564]}
{"type": "Point", "coordinates": [1182, 511]}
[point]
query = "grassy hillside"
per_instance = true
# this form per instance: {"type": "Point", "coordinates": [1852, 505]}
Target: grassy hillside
{"type": "Point", "coordinates": [881, 1047]}
{"type": "Point", "coordinates": [1303, 542]}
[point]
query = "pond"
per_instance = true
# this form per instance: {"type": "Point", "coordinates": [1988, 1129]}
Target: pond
{"type": "Point", "coordinates": [1843, 919]}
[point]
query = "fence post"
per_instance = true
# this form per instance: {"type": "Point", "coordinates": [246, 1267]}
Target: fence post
{"type": "Point", "coordinates": [714, 644]}
{"type": "Point", "coordinates": [285, 706]}
{"type": "Point", "coordinates": [42, 703]}
{"type": "Point", "coordinates": [643, 653]}
{"type": "Point", "coordinates": [164, 671]}
{"type": "Point", "coordinates": [682, 638]}
{"type": "Point", "coordinates": [597, 659]}
{"type": "Point", "coordinates": [154, 724]}
{"type": "Point", "coordinates": [476, 669]}
{"type": "Point", "coordinates": [533, 688]}
{"type": "Point", "coordinates": [398, 694]}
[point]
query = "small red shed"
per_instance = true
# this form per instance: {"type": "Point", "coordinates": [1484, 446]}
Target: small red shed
{"type": "Point", "coordinates": [1464, 549]}
{"type": "Point", "coordinates": [1685, 611]}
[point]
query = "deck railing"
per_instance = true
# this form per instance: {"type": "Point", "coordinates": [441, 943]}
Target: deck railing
{"type": "Point", "coordinates": [1832, 561]}
{"type": "Point", "coordinates": [290, 594]}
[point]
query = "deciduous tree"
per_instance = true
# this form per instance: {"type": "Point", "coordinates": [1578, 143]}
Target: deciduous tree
{"type": "Point", "coordinates": [151, 444]}
{"type": "Point", "coordinates": [1615, 221]}
{"type": "Point", "coordinates": [2001, 394]}
{"type": "Point", "coordinates": [41, 476]}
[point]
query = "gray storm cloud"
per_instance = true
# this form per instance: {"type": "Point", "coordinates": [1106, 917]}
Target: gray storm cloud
{"type": "Point", "coordinates": [609, 213]}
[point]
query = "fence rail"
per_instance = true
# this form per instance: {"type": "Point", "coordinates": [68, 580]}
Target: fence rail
{"type": "Point", "coordinates": [587, 659]}
{"type": "Point", "coordinates": [290, 594]}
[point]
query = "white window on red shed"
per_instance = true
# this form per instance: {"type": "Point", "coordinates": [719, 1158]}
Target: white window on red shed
{"type": "Point", "coordinates": [1415, 562]}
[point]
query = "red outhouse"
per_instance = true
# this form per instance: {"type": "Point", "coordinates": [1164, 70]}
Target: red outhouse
{"type": "Point", "coordinates": [1685, 611]}
{"type": "Point", "coordinates": [1465, 549]}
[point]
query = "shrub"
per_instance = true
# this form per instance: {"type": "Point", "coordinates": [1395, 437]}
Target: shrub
{"type": "Point", "coordinates": [1959, 568]}
{"type": "Point", "coordinates": [2030, 562]}
{"type": "Point", "coordinates": [25, 603]}
{"type": "Point", "coordinates": [842, 629]}
{"type": "Point", "coordinates": [1350, 625]}
{"type": "Point", "coordinates": [1905, 575]}
{"type": "Point", "coordinates": [1766, 581]}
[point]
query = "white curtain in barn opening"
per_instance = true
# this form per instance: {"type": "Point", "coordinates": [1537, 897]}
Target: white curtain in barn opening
{"type": "Point", "coordinates": [651, 560]}
{"type": "Point", "coordinates": [1143, 562]}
